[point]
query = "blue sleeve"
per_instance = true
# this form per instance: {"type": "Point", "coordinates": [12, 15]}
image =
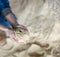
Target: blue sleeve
{"type": "Point", "coordinates": [6, 3]}
{"type": "Point", "coordinates": [4, 7]}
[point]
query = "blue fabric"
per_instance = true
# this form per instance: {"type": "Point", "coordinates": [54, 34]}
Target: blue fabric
{"type": "Point", "coordinates": [4, 22]}
{"type": "Point", "coordinates": [6, 3]}
{"type": "Point", "coordinates": [3, 5]}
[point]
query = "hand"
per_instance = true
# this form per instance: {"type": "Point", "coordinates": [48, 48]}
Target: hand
{"type": "Point", "coordinates": [11, 34]}
{"type": "Point", "coordinates": [22, 28]}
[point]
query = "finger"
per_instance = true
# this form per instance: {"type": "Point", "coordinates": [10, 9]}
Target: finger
{"type": "Point", "coordinates": [22, 27]}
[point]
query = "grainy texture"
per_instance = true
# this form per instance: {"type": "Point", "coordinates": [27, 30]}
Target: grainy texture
{"type": "Point", "coordinates": [42, 17]}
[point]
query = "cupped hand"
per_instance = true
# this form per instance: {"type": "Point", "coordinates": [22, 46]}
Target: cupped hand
{"type": "Point", "coordinates": [11, 34]}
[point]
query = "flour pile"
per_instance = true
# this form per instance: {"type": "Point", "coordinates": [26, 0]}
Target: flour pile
{"type": "Point", "coordinates": [42, 18]}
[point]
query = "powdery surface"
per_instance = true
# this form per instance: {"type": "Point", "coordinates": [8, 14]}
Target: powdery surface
{"type": "Point", "coordinates": [42, 17]}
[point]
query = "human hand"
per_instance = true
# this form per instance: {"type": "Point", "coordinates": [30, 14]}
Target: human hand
{"type": "Point", "coordinates": [22, 28]}
{"type": "Point", "coordinates": [11, 34]}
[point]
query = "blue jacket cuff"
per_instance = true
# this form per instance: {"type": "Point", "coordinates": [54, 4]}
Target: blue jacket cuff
{"type": "Point", "coordinates": [6, 11]}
